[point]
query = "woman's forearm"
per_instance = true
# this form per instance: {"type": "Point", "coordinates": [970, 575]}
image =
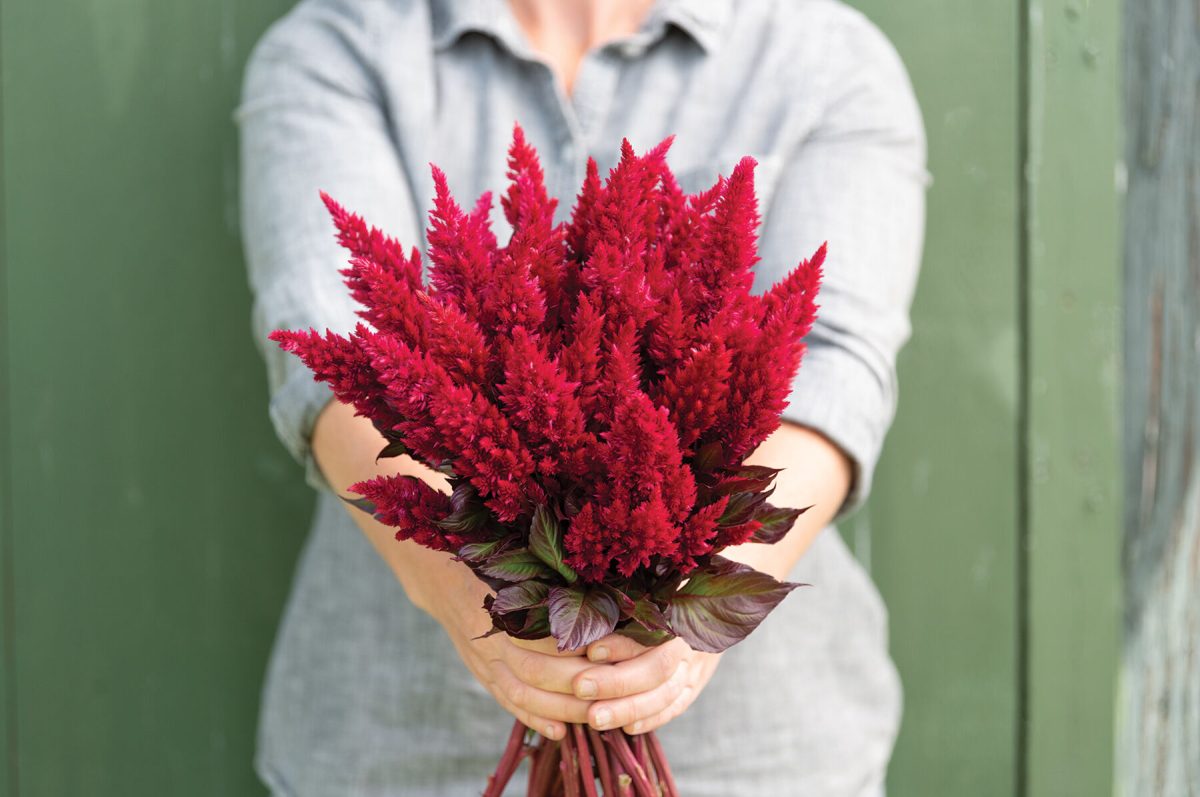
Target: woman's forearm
{"type": "Point", "coordinates": [345, 447]}
{"type": "Point", "coordinates": [816, 473]}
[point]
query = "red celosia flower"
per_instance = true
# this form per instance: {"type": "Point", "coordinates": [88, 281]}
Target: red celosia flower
{"type": "Point", "coordinates": [590, 388]}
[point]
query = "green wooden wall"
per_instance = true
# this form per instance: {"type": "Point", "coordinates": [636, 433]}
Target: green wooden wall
{"type": "Point", "coordinates": [149, 521]}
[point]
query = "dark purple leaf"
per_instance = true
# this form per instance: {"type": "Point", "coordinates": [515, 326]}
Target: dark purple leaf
{"type": "Point", "coordinates": [394, 448]}
{"type": "Point", "coordinates": [644, 636]}
{"type": "Point", "coordinates": [361, 503]}
{"type": "Point", "coordinates": [545, 541]}
{"type": "Point", "coordinates": [747, 478]}
{"type": "Point", "coordinates": [625, 604]}
{"type": "Point", "coordinates": [468, 516]}
{"type": "Point", "coordinates": [478, 552]}
{"type": "Point", "coordinates": [646, 612]}
{"type": "Point", "coordinates": [516, 566]}
{"type": "Point", "coordinates": [579, 616]}
{"type": "Point", "coordinates": [742, 508]}
{"type": "Point", "coordinates": [776, 522]}
{"type": "Point", "coordinates": [536, 626]}
{"type": "Point", "coordinates": [708, 457]}
{"type": "Point", "coordinates": [722, 603]}
{"type": "Point", "coordinates": [525, 595]}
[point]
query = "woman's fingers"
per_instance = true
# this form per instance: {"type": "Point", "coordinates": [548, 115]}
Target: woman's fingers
{"type": "Point", "coordinates": [536, 702]}
{"type": "Point", "coordinates": [539, 670]}
{"type": "Point", "coordinates": [547, 646]}
{"type": "Point", "coordinates": [614, 648]}
{"type": "Point", "coordinates": [624, 711]}
{"type": "Point", "coordinates": [652, 668]}
{"type": "Point", "coordinates": [677, 707]}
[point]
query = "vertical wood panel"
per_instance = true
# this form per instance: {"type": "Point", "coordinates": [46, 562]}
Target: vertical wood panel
{"type": "Point", "coordinates": [1072, 494]}
{"type": "Point", "coordinates": [940, 533]}
{"type": "Point", "coordinates": [155, 517]}
{"type": "Point", "coordinates": [8, 692]}
{"type": "Point", "coordinates": [7, 677]}
{"type": "Point", "coordinates": [1159, 742]}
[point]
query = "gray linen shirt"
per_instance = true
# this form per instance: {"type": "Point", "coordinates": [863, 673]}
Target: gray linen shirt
{"type": "Point", "coordinates": [364, 694]}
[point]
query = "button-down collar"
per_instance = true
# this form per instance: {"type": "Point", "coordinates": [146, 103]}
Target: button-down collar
{"type": "Point", "coordinates": [702, 20]}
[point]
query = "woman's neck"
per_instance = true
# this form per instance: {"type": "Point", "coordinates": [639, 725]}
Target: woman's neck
{"type": "Point", "coordinates": [562, 31]}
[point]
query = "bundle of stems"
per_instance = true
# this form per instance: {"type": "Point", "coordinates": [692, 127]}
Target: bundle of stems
{"type": "Point", "coordinates": [586, 763]}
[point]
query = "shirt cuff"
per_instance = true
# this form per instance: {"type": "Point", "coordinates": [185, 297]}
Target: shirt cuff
{"type": "Point", "coordinates": [838, 395]}
{"type": "Point", "coordinates": [294, 408]}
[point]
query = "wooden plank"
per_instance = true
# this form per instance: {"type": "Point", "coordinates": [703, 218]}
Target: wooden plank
{"type": "Point", "coordinates": [1159, 733]}
{"type": "Point", "coordinates": [155, 517]}
{"type": "Point", "coordinates": [940, 532]}
{"type": "Point", "coordinates": [8, 691]}
{"type": "Point", "coordinates": [1073, 514]}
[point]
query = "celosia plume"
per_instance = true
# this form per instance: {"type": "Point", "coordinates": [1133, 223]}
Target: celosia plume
{"type": "Point", "coordinates": [590, 389]}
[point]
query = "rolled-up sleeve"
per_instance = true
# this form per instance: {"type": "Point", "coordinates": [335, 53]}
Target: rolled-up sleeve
{"type": "Point", "coordinates": [311, 119]}
{"type": "Point", "coordinates": [857, 180]}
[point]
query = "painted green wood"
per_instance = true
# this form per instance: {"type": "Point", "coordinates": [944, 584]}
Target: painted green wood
{"type": "Point", "coordinates": [1073, 273]}
{"type": "Point", "coordinates": [155, 517]}
{"type": "Point", "coordinates": [1159, 731]}
{"type": "Point", "coordinates": [940, 532]}
{"type": "Point", "coordinates": [8, 772]}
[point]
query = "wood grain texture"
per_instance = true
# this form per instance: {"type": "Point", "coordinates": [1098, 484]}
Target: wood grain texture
{"type": "Point", "coordinates": [8, 691]}
{"type": "Point", "coordinates": [1072, 496]}
{"type": "Point", "coordinates": [1159, 741]}
{"type": "Point", "coordinates": [155, 518]}
{"type": "Point", "coordinates": [940, 533]}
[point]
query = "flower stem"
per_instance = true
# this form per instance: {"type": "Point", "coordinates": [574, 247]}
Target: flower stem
{"type": "Point", "coordinates": [508, 762]}
{"type": "Point", "coordinates": [607, 781]}
{"type": "Point", "coordinates": [569, 766]}
{"type": "Point", "coordinates": [585, 763]}
{"type": "Point", "coordinates": [625, 755]}
{"type": "Point", "coordinates": [663, 770]}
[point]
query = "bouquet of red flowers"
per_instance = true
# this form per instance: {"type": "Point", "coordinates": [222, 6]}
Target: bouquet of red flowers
{"type": "Point", "coordinates": [590, 390]}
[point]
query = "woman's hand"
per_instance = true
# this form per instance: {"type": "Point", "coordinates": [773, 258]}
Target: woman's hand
{"type": "Point", "coordinates": [619, 684]}
{"type": "Point", "coordinates": [643, 688]}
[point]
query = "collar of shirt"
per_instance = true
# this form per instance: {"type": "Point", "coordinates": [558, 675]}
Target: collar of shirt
{"type": "Point", "coordinates": [702, 20]}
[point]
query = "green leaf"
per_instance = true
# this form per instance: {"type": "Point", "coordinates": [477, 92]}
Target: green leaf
{"type": "Point", "coordinates": [776, 522]}
{"type": "Point", "coordinates": [545, 541]}
{"type": "Point", "coordinates": [722, 603]}
{"type": "Point", "coordinates": [515, 566]}
{"type": "Point", "coordinates": [525, 595]}
{"type": "Point", "coordinates": [579, 616]}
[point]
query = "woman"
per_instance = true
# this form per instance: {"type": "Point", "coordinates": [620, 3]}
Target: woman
{"type": "Point", "coordinates": [378, 684]}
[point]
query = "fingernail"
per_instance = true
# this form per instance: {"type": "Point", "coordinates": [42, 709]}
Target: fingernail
{"type": "Point", "coordinates": [603, 717]}
{"type": "Point", "coordinates": [599, 653]}
{"type": "Point", "coordinates": [551, 731]}
{"type": "Point", "coordinates": [636, 727]}
{"type": "Point", "coordinates": [586, 688]}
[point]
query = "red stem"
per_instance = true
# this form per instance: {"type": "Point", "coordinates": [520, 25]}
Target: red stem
{"type": "Point", "coordinates": [585, 762]}
{"type": "Point", "coordinates": [508, 762]}
{"type": "Point", "coordinates": [541, 781]}
{"type": "Point", "coordinates": [569, 766]}
{"type": "Point", "coordinates": [607, 781]}
{"type": "Point", "coordinates": [665, 778]}
{"type": "Point", "coordinates": [625, 756]}
{"type": "Point", "coordinates": [623, 779]}
{"type": "Point", "coordinates": [639, 752]}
